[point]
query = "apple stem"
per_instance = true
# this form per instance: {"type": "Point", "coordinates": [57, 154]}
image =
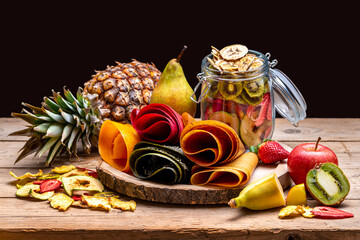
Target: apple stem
{"type": "Point", "coordinates": [317, 143]}
{"type": "Point", "coordinates": [181, 53]}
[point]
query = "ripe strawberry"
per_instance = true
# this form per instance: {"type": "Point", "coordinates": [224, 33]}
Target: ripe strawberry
{"type": "Point", "coordinates": [270, 152]}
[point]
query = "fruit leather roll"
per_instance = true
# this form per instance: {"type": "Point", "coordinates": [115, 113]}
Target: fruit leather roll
{"type": "Point", "coordinates": [116, 142]}
{"type": "Point", "coordinates": [158, 123]}
{"type": "Point", "coordinates": [160, 163]}
{"type": "Point", "coordinates": [210, 142]}
{"type": "Point", "coordinates": [233, 174]}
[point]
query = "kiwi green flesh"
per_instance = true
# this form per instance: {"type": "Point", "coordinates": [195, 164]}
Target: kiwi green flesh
{"type": "Point", "coordinates": [251, 100]}
{"type": "Point", "coordinates": [327, 184]}
{"type": "Point", "coordinates": [230, 119]}
{"type": "Point", "coordinates": [254, 88]}
{"type": "Point", "coordinates": [230, 90]}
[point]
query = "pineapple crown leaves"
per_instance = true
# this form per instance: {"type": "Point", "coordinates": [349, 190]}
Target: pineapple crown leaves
{"type": "Point", "coordinates": [58, 125]}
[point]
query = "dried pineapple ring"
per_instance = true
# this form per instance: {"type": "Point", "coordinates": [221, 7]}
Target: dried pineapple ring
{"type": "Point", "coordinates": [63, 169]}
{"type": "Point", "coordinates": [96, 202]}
{"type": "Point", "coordinates": [233, 52]}
{"type": "Point", "coordinates": [123, 205]}
{"type": "Point", "coordinates": [27, 175]}
{"type": "Point", "coordinates": [61, 201]}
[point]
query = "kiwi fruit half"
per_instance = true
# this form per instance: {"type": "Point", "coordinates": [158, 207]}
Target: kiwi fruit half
{"type": "Point", "coordinates": [254, 88]}
{"type": "Point", "coordinates": [327, 184]}
{"type": "Point", "coordinates": [230, 90]}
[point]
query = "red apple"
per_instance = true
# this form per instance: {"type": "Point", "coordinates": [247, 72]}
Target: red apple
{"type": "Point", "coordinates": [306, 156]}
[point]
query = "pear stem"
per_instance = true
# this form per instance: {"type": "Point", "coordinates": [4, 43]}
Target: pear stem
{"type": "Point", "coordinates": [317, 143]}
{"type": "Point", "coordinates": [181, 53]}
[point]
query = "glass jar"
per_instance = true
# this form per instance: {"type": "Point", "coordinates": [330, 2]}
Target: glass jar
{"type": "Point", "coordinates": [247, 100]}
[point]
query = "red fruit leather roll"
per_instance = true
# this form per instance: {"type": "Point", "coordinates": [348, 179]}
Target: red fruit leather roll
{"type": "Point", "coordinates": [158, 123]}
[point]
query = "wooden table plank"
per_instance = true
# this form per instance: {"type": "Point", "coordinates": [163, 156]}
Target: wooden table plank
{"type": "Point", "coordinates": [31, 219]}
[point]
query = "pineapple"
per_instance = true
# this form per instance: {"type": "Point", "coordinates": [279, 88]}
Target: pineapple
{"type": "Point", "coordinates": [120, 89]}
{"type": "Point", "coordinates": [57, 126]}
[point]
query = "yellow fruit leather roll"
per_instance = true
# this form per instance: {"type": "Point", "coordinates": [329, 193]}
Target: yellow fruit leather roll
{"type": "Point", "coordinates": [116, 143]}
{"type": "Point", "coordinates": [233, 174]}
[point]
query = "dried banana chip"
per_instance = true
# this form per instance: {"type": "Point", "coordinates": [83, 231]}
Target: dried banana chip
{"type": "Point", "coordinates": [63, 169]}
{"type": "Point", "coordinates": [306, 212]}
{"type": "Point", "coordinates": [96, 202]}
{"type": "Point", "coordinates": [226, 65]}
{"type": "Point", "coordinates": [256, 63]}
{"type": "Point", "coordinates": [245, 62]}
{"type": "Point", "coordinates": [123, 205]}
{"type": "Point", "coordinates": [61, 201]}
{"type": "Point", "coordinates": [233, 52]}
{"type": "Point", "coordinates": [27, 175]}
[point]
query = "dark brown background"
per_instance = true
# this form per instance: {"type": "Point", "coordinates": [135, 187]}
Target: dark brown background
{"type": "Point", "coordinates": [47, 46]}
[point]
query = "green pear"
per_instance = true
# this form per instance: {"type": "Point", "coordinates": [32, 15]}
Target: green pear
{"type": "Point", "coordinates": [173, 89]}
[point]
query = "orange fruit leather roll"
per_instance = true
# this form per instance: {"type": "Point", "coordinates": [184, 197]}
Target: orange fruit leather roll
{"type": "Point", "coordinates": [210, 142]}
{"type": "Point", "coordinates": [233, 174]}
{"type": "Point", "coordinates": [116, 143]}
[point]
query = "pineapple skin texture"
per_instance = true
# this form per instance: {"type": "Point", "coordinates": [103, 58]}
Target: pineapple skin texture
{"type": "Point", "coordinates": [174, 90]}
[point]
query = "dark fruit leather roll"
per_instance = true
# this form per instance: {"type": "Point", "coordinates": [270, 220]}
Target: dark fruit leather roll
{"type": "Point", "coordinates": [158, 123]}
{"type": "Point", "coordinates": [160, 163]}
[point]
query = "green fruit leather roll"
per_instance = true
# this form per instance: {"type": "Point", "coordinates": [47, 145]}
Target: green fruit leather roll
{"type": "Point", "coordinates": [160, 163]}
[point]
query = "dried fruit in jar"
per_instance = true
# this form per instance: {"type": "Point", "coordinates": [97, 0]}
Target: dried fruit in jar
{"type": "Point", "coordinates": [233, 52]}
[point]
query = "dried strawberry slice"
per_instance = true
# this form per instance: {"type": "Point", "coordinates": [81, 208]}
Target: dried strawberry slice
{"type": "Point", "coordinates": [49, 185]}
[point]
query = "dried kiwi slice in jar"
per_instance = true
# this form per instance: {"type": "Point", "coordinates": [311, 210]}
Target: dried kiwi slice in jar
{"type": "Point", "coordinates": [251, 100]}
{"type": "Point", "coordinates": [230, 90]}
{"type": "Point", "coordinates": [255, 88]}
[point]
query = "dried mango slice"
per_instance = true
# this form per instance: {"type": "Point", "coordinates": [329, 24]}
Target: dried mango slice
{"type": "Point", "coordinates": [61, 201]}
{"type": "Point", "coordinates": [63, 169]}
{"type": "Point", "coordinates": [27, 175]}
{"type": "Point", "coordinates": [123, 205]}
{"type": "Point", "coordinates": [96, 202]}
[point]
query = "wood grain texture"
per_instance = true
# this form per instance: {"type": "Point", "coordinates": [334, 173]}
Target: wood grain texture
{"type": "Point", "coordinates": [30, 219]}
{"type": "Point", "coordinates": [182, 193]}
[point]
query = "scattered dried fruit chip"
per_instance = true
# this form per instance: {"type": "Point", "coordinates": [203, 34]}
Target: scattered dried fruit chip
{"type": "Point", "coordinates": [123, 205]}
{"type": "Point", "coordinates": [48, 176]}
{"type": "Point", "coordinates": [96, 202]}
{"type": "Point", "coordinates": [296, 210]}
{"type": "Point", "coordinates": [61, 201]}
{"type": "Point", "coordinates": [22, 182]}
{"type": "Point", "coordinates": [27, 175]}
{"type": "Point", "coordinates": [106, 194]}
{"type": "Point", "coordinates": [76, 172]}
{"type": "Point", "coordinates": [63, 169]}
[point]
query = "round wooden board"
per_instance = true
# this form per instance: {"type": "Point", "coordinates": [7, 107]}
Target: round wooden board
{"type": "Point", "coordinates": [183, 193]}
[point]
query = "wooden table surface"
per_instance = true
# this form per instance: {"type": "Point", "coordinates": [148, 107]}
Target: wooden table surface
{"type": "Point", "coordinates": [29, 219]}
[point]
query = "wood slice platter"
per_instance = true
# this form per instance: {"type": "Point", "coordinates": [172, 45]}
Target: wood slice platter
{"type": "Point", "coordinates": [183, 193]}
